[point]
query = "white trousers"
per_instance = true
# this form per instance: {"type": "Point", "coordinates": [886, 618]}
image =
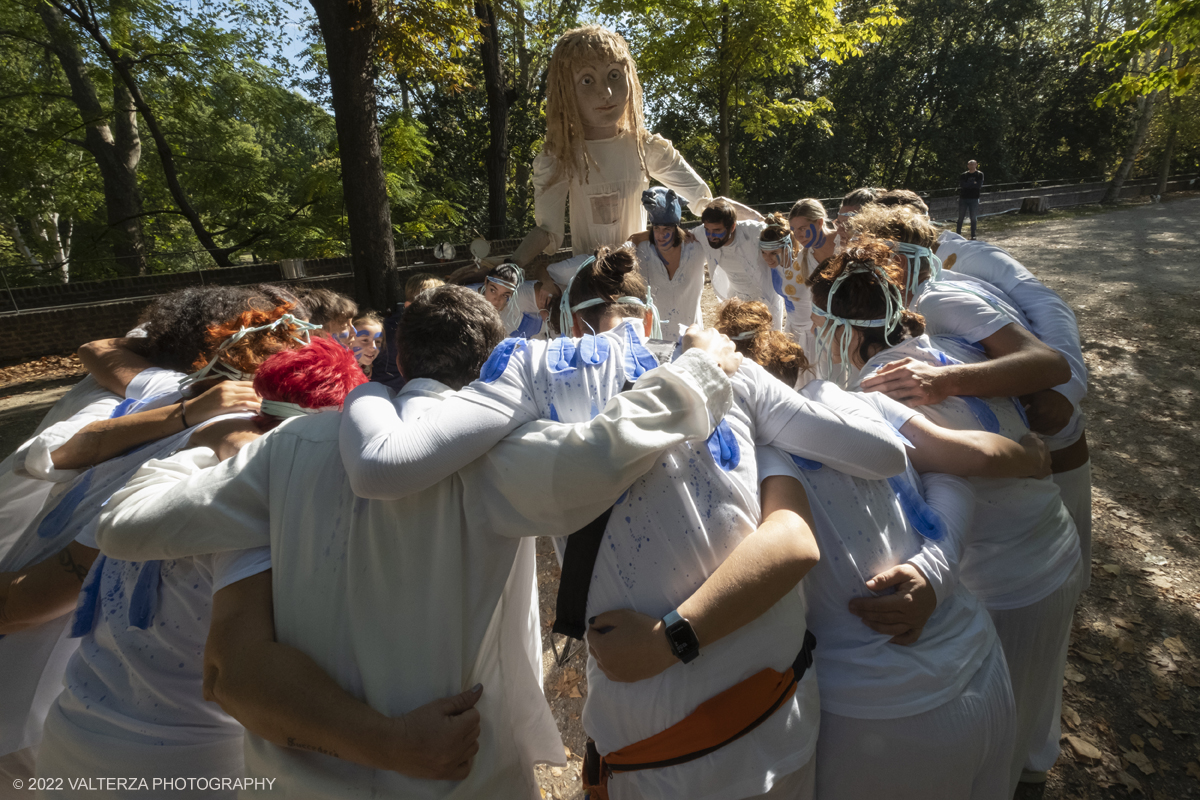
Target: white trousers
{"type": "Point", "coordinates": [70, 753]}
{"type": "Point", "coordinates": [16, 767]}
{"type": "Point", "coordinates": [1035, 640]}
{"type": "Point", "coordinates": [1076, 489]}
{"type": "Point", "coordinates": [795, 786]}
{"type": "Point", "coordinates": [961, 750]}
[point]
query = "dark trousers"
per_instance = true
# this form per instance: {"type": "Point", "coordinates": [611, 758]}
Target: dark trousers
{"type": "Point", "coordinates": [966, 207]}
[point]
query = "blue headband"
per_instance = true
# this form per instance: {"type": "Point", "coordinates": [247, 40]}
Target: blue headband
{"type": "Point", "coordinates": [514, 284]}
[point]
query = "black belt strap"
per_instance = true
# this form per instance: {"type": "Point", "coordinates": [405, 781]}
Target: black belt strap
{"type": "Point", "coordinates": [579, 560]}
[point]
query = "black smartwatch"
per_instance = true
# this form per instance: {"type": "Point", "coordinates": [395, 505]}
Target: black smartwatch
{"type": "Point", "coordinates": [681, 637]}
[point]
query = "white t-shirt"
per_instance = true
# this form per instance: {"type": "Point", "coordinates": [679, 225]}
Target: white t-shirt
{"type": "Point", "coordinates": [446, 556]}
{"type": "Point", "coordinates": [1023, 544]}
{"type": "Point", "coordinates": [668, 533]}
{"type": "Point", "coordinates": [607, 209]}
{"type": "Point", "coordinates": [738, 269]}
{"type": "Point", "coordinates": [862, 529]}
{"type": "Point", "coordinates": [677, 298]}
{"type": "Point", "coordinates": [789, 282]}
{"type": "Point", "coordinates": [144, 685]}
{"type": "Point", "coordinates": [1048, 317]}
{"type": "Point", "coordinates": [32, 661]}
{"type": "Point", "coordinates": [952, 309]}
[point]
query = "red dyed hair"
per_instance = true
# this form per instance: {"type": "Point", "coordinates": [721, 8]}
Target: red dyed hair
{"type": "Point", "coordinates": [318, 375]}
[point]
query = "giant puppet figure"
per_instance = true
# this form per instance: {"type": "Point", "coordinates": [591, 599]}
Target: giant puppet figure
{"type": "Point", "coordinates": [597, 151]}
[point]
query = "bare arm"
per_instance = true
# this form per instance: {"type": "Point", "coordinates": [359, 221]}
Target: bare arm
{"type": "Point", "coordinates": [112, 363]}
{"type": "Point", "coordinates": [43, 591]}
{"type": "Point", "coordinates": [282, 695]}
{"type": "Point", "coordinates": [1018, 364]}
{"type": "Point", "coordinates": [744, 212]}
{"type": "Point", "coordinates": [764, 567]}
{"type": "Point", "coordinates": [105, 439]}
{"type": "Point", "coordinates": [973, 454]}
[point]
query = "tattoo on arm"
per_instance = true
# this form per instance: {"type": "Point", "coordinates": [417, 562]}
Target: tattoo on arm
{"type": "Point", "coordinates": [315, 748]}
{"type": "Point", "coordinates": [71, 565]}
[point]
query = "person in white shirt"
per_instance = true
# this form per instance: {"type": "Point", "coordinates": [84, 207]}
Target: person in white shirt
{"type": "Point", "coordinates": [1056, 413]}
{"type": "Point", "coordinates": [918, 698]}
{"type": "Point", "coordinates": [644, 566]}
{"type": "Point", "coordinates": [1022, 556]}
{"type": "Point", "coordinates": [671, 261]}
{"type": "Point", "coordinates": [789, 263]}
{"type": "Point", "coordinates": [133, 702]}
{"type": "Point", "coordinates": [49, 481]}
{"type": "Point", "coordinates": [735, 263]}
{"type": "Point", "coordinates": [317, 662]}
{"type": "Point", "coordinates": [1017, 363]}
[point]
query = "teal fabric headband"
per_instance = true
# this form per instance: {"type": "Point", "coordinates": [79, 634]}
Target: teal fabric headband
{"type": "Point", "coordinates": [218, 367]}
{"type": "Point", "coordinates": [513, 285]}
{"type": "Point", "coordinates": [894, 308]}
{"type": "Point", "coordinates": [913, 253]}
{"type": "Point", "coordinates": [566, 309]}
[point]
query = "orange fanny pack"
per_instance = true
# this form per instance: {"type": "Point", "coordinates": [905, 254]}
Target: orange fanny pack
{"type": "Point", "coordinates": [715, 723]}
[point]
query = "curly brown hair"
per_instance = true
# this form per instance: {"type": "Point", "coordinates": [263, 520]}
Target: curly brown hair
{"type": "Point", "coordinates": [770, 349]}
{"type": "Point", "coordinates": [861, 296]}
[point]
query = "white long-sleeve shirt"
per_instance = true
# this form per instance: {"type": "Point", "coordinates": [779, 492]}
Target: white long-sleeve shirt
{"type": "Point", "coordinates": [678, 297]}
{"type": "Point", "coordinates": [738, 270]}
{"type": "Point", "coordinates": [668, 533]}
{"type": "Point", "coordinates": [1048, 316]}
{"type": "Point", "coordinates": [1023, 544]}
{"type": "Point", "coordinates": [405, 601]}
{"type": "Point", "coordinates": [607, 209]}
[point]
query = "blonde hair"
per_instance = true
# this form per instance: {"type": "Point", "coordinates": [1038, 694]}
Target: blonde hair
{"type": "Point", "coordinates": [564, 125]}
{"type": "Point", "coordinates": [808, 208]}
{"type": "Point", "coordinates": [894, 223]}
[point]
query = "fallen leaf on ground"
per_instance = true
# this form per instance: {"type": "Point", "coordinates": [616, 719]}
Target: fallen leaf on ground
{"type": "Point", "coordinates": [1128, 781]}
{"type": "Point", "coordinates": [1074, 675]}
{"type": "Point", "coordinates": [1193, 769]}
{"type": "Point", "coordinates": [1070, 716]}
{"type": "Point", "coordinates": [1139, 760]}
{"type": "Point", "coordinates": [1138, 741]}
{"type": "Point", "coordinates": [1112, 569]}
{"type": "Point", "coordinates": [1149, 717]}
{"type": "Point", "coordinates": [1083, 748]}
{"type": "Point", "coordinates": [1176, 646]}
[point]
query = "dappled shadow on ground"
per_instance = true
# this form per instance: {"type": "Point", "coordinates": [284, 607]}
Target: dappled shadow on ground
{"type": "Point", "coordinates": [1133, 277]}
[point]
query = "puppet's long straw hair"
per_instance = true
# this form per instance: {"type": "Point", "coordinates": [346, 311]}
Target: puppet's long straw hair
{"type": "Point", "coordinates": [564, 125]}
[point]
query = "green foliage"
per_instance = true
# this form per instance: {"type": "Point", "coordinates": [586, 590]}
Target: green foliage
{"type": "Point", "coordinates": [1159, 53]}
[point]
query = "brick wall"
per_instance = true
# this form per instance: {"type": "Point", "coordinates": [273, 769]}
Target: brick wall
{"type": "Point", "coordinates": [59, 331]}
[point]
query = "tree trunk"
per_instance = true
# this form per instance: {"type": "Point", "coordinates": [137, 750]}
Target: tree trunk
{"type": "Point", "coordinates": [116, 148]}
{"type": "Point", "coordinates": [497, 106]}
{"type": "Point", "coordinates": [1141, 131]}
{"type": "Point", "coordinates": [348, 30]}
{"type": "Point", "coordinates": [723, 105]}
{"type": "Point", "coordinates": [1164, 171]}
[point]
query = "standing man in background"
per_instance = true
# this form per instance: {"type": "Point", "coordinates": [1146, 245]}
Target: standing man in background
{"type": "Point", "coordinates": [969, 184]}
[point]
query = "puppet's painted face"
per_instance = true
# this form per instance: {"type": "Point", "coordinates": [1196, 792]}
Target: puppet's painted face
{"type": "Point", "coordinates": [602, 92]}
